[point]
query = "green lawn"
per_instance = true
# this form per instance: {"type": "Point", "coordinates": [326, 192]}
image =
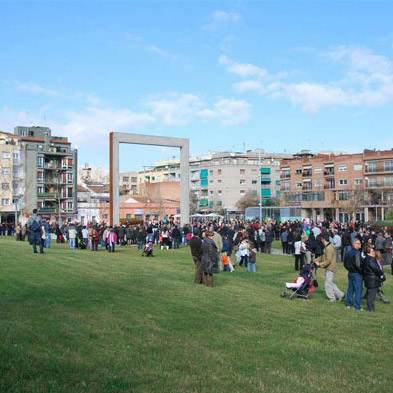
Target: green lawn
{"type": "Point", "coordinates": [84, 322]}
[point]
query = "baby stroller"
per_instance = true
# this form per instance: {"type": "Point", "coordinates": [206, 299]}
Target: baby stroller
{"type": "Point", "coordinates": [302, 287]}
{"type": "Point", "coordinates": [148, 249]}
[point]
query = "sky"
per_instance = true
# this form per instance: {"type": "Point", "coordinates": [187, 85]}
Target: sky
{"type": "Point", "coordinates": [229, 75]}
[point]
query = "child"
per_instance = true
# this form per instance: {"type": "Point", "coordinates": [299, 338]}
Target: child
{"type": "Point", "coordinates": [244, 253]}
{"type": "Point", "coordinates": [227, 263]}
{"type": "Point", "coordinates": [252, 261]}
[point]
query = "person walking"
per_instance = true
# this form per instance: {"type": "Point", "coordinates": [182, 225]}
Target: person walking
{"type": "Point", "coordinates": [34, 227]}
{"type": "Point", "coordinates": [353, 264]}
{"type": "Point", "coordinates": [328, 262]}
{"type": "Point", "coordinates": [373, 276]}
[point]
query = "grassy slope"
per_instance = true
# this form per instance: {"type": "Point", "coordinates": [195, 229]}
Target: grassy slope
{"type": "Point", "coordinates": [83, 322]}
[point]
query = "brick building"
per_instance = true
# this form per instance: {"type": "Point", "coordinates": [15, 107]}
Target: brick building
{"type": "Point", "coordinates": [342, 187]}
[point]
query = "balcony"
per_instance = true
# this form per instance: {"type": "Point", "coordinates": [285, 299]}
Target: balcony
{"type": "Point", "coordinates": [379, 185]}
{"type": "Point", "coordinates": [53, 180]}
{"type": "Point", "coordinates": [47, 210]}
{"type": "Point", "coordinates": [307, 173]}
{"type": "Point", "coordinates": [329, 186]}
{"type": "Point", "coordinates": [328, 172]}
{"type": "Point", "coordinates": [285, 175]}
{"type": "Point", "coordinates": [380, 168]}
{"type": "Point", "coordinates": [307, 187]}
{"type": "Point", "coordinates": [47, 195]}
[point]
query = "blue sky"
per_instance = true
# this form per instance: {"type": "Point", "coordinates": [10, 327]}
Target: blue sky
{"type": "Point", "coordinates": [279, 75]}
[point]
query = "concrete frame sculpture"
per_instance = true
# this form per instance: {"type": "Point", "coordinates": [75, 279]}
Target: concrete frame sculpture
{"type": "Point", "coordinates": [115, 138]}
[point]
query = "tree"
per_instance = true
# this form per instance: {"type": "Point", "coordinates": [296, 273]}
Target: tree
{"type": "Point", "coordinates": [250, 199]}
{"type": "Point", "coordinates": [271, 202]}
{"type": "Point", "coordinates": [193, 203]}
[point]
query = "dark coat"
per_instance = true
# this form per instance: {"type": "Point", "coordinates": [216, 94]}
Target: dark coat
{"type": "Point", "coordinates": [196, 247]}
{"type": "Point", "coordinates": [209, 255]}
{"type": "Point", "coordinates": [372, 273]}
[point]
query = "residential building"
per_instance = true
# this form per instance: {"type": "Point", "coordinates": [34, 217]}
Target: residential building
{"type": "Point", "coordinates": [378, 183]}
{"type": "Point", "coordinates": [220, 180]}
{"type": "Point", "coordinates": [340, 187]}
{"type": "Point", "coordinates": [129, 183]}
{"type": "Point", "coordinates": [162, 171]}
{"type": "Point", "coordinates": [90, 198]}
{"type": "Point", "coordinates": [11, 177]}
{"type": "Point", "coordinates": [50, 167]}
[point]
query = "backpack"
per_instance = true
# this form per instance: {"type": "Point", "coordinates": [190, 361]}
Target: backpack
{"type": "Point", "coordinates": [35, 226]}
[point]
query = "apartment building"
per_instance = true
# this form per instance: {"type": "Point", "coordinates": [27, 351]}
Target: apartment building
{"type": "Point", "coordinates": [50, 167]}
{"type": "Point", "coordinates": [342, 187]}
{"type": "Point", "coordinates": [220, 180]}
{"type": "Point", "coordinates": [162, 171]}
{"type": "Point", "coordinates": [378, 183]}
{"type": "Point", "coordinates": [129, 183]}
{"type": "Point", "coordinates": [11, 177]}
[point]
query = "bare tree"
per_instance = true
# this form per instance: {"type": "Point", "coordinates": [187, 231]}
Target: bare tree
{"type": "Point", "coordinates": [250, 199]}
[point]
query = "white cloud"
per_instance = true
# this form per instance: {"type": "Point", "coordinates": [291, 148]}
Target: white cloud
{"type": "Point", "coordinates": [180, 109]}
{"type": "Point", "coordinates": [34, 88]}
{"type": "Point", "coordinates": [367, 81]}
{"type": "Point", "coordinates": [243, 70]}
{"type": "Point", "coordinates": [219, 19]}
{"type": "Point", "coordinates": [232, 112]}
{"type": "Point", "coordinates": [92, 124]}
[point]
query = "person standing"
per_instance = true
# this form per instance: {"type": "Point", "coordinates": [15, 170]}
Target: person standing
{"type": "Point", "coordinates": [34, 227]}
{"type": "Point", "coordinates": [329, 263]}
{"type": "Point", "coordinates": [373, 276]}
{"type": "Point", "coordinates": [353, 264]}
{"type": "Point", "coordinates": [300, 250]}
{"type": "Point", "coordinates": [72, 237]}
{"type": "Point", "coordinates": [209, 258]}
{"type": "Point", "coordinates": [196, 253]}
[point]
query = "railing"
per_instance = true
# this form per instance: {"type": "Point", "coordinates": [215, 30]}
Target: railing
{"type": "Point", "coordinates": [379, 185]}
{"type": "Point", "coordinates": [285, 176]}
{"type": "Point", "coordinates": [328, 172]}
{"type": "Point", "coordinates": [47, 210]}
{"type": "Point", "coordinates": [307, 173]}
{"type": "Point", "coordinates": [378, 169]}
{"type": "Point", "coordinates": [329, 186]}
{"type": "Point", "coordinates": [47, 195]}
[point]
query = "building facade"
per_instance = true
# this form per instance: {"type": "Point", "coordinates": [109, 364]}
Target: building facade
{"type": "Point", "coordinates": [50, 168]}
{"type": "Point", "coordinates": [220, 180]}
{"type": "Point", "coordinates": [11, 177]}
{"type": "Point", "coordinates": [340, 187]}
{"type": "Point", "coordinates": [129, 183]}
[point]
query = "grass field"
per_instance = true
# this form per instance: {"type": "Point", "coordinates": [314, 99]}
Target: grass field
{"type": "Point", "coordinates": [84, 322]}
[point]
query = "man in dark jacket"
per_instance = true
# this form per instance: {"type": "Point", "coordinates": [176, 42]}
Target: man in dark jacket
{"type": "Point", "coordinates": [34, 227]}
{"type": "Point", "coordinates": [196, 252]}
{"type": "Point", "coordinates": [353, 264]}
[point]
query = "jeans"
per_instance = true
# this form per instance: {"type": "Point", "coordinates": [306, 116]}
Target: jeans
{"type": "Point", "coordinates": [299, 261]}
{"type": "Point", "coordinates": [331, 289]}
{"type": "Point", "coordinates": [354, 292]}
{"type": "Point", "coordinates": [371, 294]}
{"type": "Point", "coordinates": [48, 240]}
{"type": "Point", "coordinates": [71, 243]}
{"type": "Point", "coordinates": [252, 267]}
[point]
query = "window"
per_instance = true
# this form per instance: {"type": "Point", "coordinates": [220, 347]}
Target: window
{"type": "Point", "coordinates": [298, 171]}
{"type": "Point", "coordinates": [5, 202]}
{"type": "Point", "coordinates": [242, 192]}
{"type": "Point", "coordinates": [134, 180]}
{"type": "Point", "coordinates": [388, 181]}
{"type": "Point", "coordinates": [299, 185]}
{"type": "Point", "coordinates": [371, 166]}
{"type": "Point", "coordinates": [219, 171]}
{"type": "Point", "coordinates": [242, 181]}
{"type": "Point", "coordinates": [342, 168]}
{"type": "Point", "coordinates": [211, 192]}
{"type": "Point", "coordinates": [40, 190]}
{"type": "Point", "coordinates": [343, 182]}
{"type": "Point", "coordinates": [6, 154]}
{"type": "Point", "coordinates": [211, 181]}
{"type": "Point", "coordinates": [219, 181]}
{"type": "Point", "coordinates": [343, 195]}
{"type": "Point", "coordinates": [15, 156]}
{"type": "Point", "coordinates": [358, 167]}
{"type": "Point", "coordinates": [70, 176]}
{"type": "Point", "coordinates": [126, 179]}
{"type": "Point", "coordinates": [5, 186]}
{"type": "Point", "coordinates": [211, 172]}
{"type": "Point", "coordinates": [40, 162]}
{"type": "Point", "coordinates": [242, 171]}
{"type": "Point", "coordinates": [358, 182]}
{"type": "Point", "coordinates": [70, 205]}
{"type": "Point", "coordinates": [5, 171]}
{"type": "Point", "coordinates": [388, 166]}
{"type": "Point", "coordinates": [254, 181]}
{"type": "Point", "coordinates": [220, 192]}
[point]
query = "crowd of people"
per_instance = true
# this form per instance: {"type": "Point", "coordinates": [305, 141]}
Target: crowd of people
{"type": "Point", "coordinates": [223, 246]}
